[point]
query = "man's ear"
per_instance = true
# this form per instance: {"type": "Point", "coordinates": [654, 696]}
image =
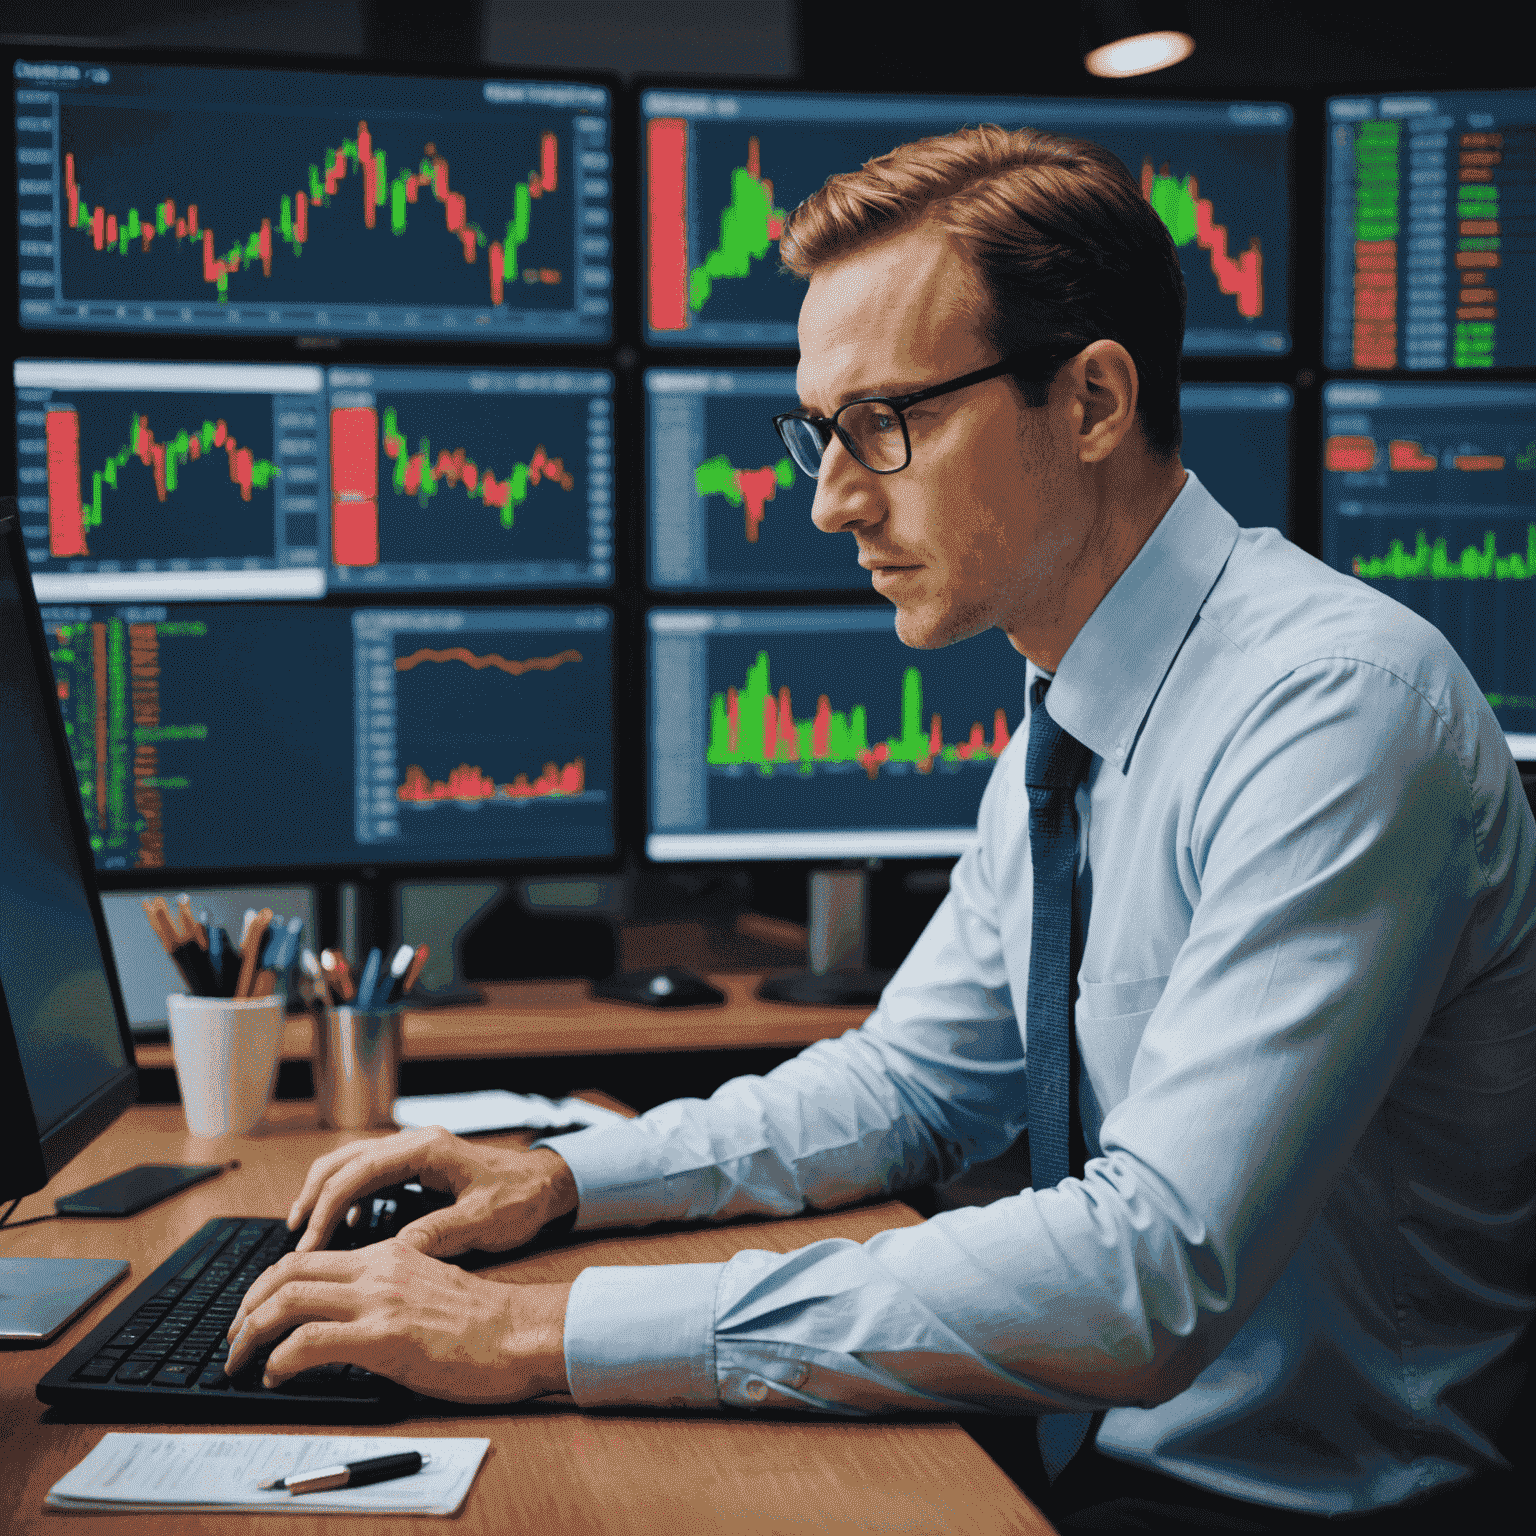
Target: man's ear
{"type": "Point", "coordinates": [1105, 389]}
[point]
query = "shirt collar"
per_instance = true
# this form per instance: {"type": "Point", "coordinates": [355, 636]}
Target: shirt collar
{"type": "Point", "coordinates": [1113, 669]}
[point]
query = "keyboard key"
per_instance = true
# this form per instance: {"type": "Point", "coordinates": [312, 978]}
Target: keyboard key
{"type": "Point", "coordinates": [175, 1376]}
{"type": "Point", "coordinates": [136, 1371]}
{"type": "Point", "coordinates": [213, 1379]}
{"type": "Point", "coordinates": [99, 1369]}
{"type": "Point", "coordinates": [134, 1333]}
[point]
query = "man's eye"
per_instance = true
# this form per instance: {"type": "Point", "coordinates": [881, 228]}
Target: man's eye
{"type": "Point", "coordinates": [884, 421]}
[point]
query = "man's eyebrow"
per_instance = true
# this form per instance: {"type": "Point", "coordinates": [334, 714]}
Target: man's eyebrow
{"type": "Point", "coordinates": [880, 391]}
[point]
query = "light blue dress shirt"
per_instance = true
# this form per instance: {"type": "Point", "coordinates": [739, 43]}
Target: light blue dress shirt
{"type": "Point", "coordinates": [1296, 1262]}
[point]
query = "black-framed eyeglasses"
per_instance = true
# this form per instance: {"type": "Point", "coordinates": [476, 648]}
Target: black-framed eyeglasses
{"type": "Point", "coordinates": [874, 429]}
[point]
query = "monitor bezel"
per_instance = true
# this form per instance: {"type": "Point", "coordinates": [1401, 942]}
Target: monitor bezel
{"type": "Point", "coordinates": [30, 1157]}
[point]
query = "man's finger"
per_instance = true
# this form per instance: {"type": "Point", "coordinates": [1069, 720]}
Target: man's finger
{"type": "Point", "coordinates": [346, 1162]}
{"type": "Point", "coordinates": [304, 1301]}
{"type": "Point", "coordinates": [439, 1234]}
{"type": "Point", "coordinates": [339, 1268]}
{"type": "Point", "coordinates": [375, 1166]}
{"type": "Point", "coordinates": [314, 1181]}
{"type": "Point", "coordinates": [320, 1343]}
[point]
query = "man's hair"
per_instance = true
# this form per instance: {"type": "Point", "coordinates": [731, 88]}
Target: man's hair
{"type": "Point", "coordinates": [1066, 248]}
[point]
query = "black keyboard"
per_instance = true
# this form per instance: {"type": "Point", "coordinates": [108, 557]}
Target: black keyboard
{"type": "Point", "coordinates": [161, 1353]}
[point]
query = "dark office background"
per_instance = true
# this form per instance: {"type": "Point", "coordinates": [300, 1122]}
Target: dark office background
{"type": "Point", "coordinates": [1019, 47]}
{"type": "Point", "coordinates": [1264, 49]}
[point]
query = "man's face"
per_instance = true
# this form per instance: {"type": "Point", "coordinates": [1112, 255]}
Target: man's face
{"type": "Point", "coordinates": [964, 537]}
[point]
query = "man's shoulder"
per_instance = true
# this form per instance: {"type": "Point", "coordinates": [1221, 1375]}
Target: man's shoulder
{"type": "Point", "coordinates": [1277, 610]}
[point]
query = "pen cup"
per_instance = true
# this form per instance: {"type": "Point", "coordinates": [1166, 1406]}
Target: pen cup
{"type": "Point", "coordinates": [226, 1052]}
{"type": "Point", "coordinates": [356, 1067]}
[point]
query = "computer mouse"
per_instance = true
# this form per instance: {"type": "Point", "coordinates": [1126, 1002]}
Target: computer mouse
{"type": "Point", "coordinates": [670, 987]}
{"type": "Point", "coordinates": [382, 1214]}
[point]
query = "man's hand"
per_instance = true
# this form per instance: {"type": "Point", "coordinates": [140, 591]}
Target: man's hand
{"type": "Point", "coordinates": [501, 1195]}
{"type": "Point", "coordinates": [420, 1322]}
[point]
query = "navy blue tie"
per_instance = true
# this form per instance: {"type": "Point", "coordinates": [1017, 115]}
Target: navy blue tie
{"type": "Point", "coordinates": [1055, 765]}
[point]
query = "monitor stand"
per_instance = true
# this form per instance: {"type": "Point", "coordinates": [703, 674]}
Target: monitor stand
{"type": "Point", "coordinates": [439, 915]}
{"type": "Point", "coordinates": [39, 1296]}
{"type": "Point", "coordinates": [838, 932]}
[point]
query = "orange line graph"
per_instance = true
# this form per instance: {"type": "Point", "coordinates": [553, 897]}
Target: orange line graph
{"type": "Point", "coordinates": [480, 663]}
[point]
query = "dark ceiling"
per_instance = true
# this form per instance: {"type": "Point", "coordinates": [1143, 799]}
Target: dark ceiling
{"type": "Point", "coordinates": [1259, 45]}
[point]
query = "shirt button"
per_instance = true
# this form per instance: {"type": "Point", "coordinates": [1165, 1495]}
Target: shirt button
{"type": "Point", "coordinates": [757, 1390]}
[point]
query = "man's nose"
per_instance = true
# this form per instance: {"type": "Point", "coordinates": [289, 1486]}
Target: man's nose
{"type": "Point", "coordinates": [847, 494]}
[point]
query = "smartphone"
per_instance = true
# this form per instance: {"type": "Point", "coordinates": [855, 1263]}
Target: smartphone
{"type": "Point", "coordinates": [131, 1191]}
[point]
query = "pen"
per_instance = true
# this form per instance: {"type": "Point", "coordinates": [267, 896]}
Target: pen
{"type": "Point", "coordinates": [418, 964]}
{"type": "Point", "coordinates": [377, 1469]}
{"type": "Point", "coordinates": [397, 966]}
{"type": "Point", "coordinates": [369, 979]}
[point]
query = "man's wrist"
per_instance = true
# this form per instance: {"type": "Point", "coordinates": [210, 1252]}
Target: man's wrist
{"type": "Point", "coordinates": [560, 1195]}
{"type": "Point", "coordinates": [535, 1339]}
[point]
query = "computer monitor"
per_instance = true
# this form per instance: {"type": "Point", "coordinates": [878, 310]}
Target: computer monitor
{"type": "Point", "coordinates": [66, 1061]}
{"type": "Point", "coordinates": [248, 737]}
{"type": "Point", "coordinates": [1237, 439]}
{"type": "Point", "coordinates": [814, 733]}
{"type": "Point", "coordinates": [146, 481]}
{"type": "Point", "coordinates": [1429, 494]}
{"type": "Point", "coordinates": [727, 510]}
{"type": "Point", "coordinates": [241, 202]}
{"type": "Point", "coordinates": [721, 169]}
{"type": "Point", "coordinates": [1430, 264]}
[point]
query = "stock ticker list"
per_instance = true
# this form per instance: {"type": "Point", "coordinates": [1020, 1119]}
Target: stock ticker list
{"type": "Point", "coordinates": [1431, 228]}
{"type": "Point", "coordinates": [185, 199]}
{"type": "Point", "coordinates": [722, 171]}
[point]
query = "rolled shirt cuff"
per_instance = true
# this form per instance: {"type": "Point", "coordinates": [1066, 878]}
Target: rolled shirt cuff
{"type": "Point", "coordinates": [643, 1334]}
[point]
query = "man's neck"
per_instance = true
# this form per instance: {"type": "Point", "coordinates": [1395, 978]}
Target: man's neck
{"type": "Point", "coordinates": [1130, 503]}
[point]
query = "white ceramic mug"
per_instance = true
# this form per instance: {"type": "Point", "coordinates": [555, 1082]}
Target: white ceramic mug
{"type": "Point", "coordinates": [226, 1052]}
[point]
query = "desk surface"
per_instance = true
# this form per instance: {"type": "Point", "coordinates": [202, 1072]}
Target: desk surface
{"type": "Point", "coordinates": [562, 1018]}
{"type": "Point", "coordinates": [552, 1468]}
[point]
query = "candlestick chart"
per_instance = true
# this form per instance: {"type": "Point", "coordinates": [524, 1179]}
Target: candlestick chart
{"type": "Point", "coordinates": [445, 486]}
{"type": "Point", "coordinates": [719, 186]}
{"type": "Point", "coordinates": [489, 736]}
{"type": "Point", "coordinates": [821, 721]}
{"type": "Point", "coordinates": [198, 733]}
{"type": "Point", "coordinates": [1429, 494]}
{"type": "Point", "coordinates": [154, 479]}
{"type": "Point", "coordinates": [727, 509]}
{"type": "Point", "coordinates": [320, 209]}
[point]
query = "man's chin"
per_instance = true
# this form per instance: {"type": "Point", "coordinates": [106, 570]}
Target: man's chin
{"type": "Point", "coordinates": [924, 628]}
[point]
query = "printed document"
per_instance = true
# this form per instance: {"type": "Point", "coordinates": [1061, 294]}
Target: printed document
{"type": "Point", "coordinates": [495, 1109]}
{"type": "Point", "coordinates": [149, 1472]}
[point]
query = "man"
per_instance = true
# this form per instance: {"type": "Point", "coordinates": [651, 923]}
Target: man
{"type": "Point", "coordinates": [1289, 1268]}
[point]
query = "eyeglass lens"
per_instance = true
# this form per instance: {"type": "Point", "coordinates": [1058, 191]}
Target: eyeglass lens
{"type": "Point", "coordinates": [872, 429]}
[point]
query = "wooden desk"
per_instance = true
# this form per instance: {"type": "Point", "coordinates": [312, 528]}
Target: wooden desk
{"type": "Point", "coordinates": [552, 1468]}
{"type": "Point", "coordinates": [562, 1018]}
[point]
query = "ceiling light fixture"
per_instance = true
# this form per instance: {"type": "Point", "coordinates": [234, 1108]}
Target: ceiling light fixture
{"type": "Point", "coordinates": [1122, 38]}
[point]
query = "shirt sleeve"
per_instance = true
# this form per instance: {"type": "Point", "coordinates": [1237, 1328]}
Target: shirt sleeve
{"type": "Point", "coordinates": [1337, 867]}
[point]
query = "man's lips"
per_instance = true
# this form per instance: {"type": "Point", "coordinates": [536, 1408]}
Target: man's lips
{"type": "Point", "coordinates": [879, 563]}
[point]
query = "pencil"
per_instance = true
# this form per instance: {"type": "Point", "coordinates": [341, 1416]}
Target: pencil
{"type": "Point", "coordinates": [163, 932]}
{"type": "Point", "coordinates": [250, 951]}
